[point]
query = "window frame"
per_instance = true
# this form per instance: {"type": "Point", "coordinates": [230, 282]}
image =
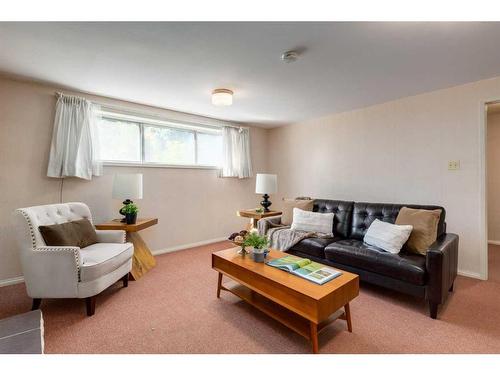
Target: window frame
{"type": "Point", "coordinates": [143, 121]}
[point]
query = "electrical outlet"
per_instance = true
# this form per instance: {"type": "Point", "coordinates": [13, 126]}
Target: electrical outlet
{"type": "Point", "coordinates": [453, 165]}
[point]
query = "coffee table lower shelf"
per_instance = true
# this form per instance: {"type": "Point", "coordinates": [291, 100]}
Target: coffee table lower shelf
{"type": "Point", "coordinates": [295, 322]}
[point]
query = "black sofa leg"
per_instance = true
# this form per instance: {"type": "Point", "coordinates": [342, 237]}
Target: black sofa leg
{"type": "Point", "coordinates": [125, 280]}
{"type": "Point", "coordinates": [451, 287]}
{"type": "Point", "coordinates": [433, 308]}
{"type": "Point", "coordinates": [36, 303]}
{"type": "Point", "coordinates": [90, 303]}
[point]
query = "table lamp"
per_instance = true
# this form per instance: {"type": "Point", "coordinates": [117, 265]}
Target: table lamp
{"type": "Point", "coordinates": [266, 184]}
{"type": "Point", "coordinates": [127, 186]}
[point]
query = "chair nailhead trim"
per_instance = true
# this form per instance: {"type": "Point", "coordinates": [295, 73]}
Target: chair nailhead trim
{"type": "Point", "coordinates": [50, 249]}
{"type": "Point", "coordinates": [30, 226]}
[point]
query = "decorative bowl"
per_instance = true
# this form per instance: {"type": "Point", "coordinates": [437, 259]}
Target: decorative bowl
{"type": "Point", "coordinates": [242, 251]}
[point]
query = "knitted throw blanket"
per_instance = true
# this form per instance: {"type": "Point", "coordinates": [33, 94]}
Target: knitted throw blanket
{"type": "Point", "coordinates": [283, 238]}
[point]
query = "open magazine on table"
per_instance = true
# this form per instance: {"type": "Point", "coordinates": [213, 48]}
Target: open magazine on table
{"type": "Point", "coordinates": [312, 271]}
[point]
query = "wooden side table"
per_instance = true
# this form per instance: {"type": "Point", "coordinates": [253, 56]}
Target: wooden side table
{"type": "Point", "coordinates": [256, 216]}
{"type": "Point", "coordinates": [142, 260]}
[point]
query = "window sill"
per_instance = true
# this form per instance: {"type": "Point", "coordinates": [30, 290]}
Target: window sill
{"type": "Point", "coordinates": [153, 165]}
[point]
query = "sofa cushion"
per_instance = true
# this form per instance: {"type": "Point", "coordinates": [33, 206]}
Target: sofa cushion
{"type": "Point", "coordinates": [387, 236]}
{"type": "Point", "coordinates": [290, 204]}
{"type": "Point", "coordinates": [424, 223]}
{"type": "Point", "coordinates": [312, 222]}
{"type": "Point", "coordinates": [342, 221]}
{"type": "Point", "coordinates": [402, 266]}
{"type": "Point", "coordinates": [314, 246]}
{"type": "Point", "coordinates": [365, 213]}
{"type": "Point", "coordinates": [102, 258]}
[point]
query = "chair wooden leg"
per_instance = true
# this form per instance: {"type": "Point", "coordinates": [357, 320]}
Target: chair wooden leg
{"type": "Point", "coordinates": [90, 303]}
{"type": "Point", "coordinates": [125, 280]}
{"type": "Point", "coordinates": [36, 303]}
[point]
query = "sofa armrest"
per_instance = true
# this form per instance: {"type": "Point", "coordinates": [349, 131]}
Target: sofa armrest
{"type": "Point", "coordinates": [111, 236]}
{"type": "Point", "coordinates": [52, 271]}
{"type": "Point", "coordinates": [442, 267]}
{"type": "Point", "coordinates": [263, 225]}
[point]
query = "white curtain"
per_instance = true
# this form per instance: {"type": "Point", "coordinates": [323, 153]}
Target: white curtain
{"type": "Point", "coordinates": [74, 151]}
{"type": "Point", "coordinates": [236, 152]}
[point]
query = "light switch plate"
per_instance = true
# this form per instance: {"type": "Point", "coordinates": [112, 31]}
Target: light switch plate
{"type": "Point", "coordinates": [453, 165]}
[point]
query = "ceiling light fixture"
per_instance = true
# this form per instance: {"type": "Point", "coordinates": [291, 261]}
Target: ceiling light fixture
{"type": "Point", "coordinates": [222, 97]}
{"type": "Point", "coordinates": [289, 56]}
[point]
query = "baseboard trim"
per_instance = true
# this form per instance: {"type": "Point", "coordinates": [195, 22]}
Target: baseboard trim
{"type": "Point", "coordinates": [494, 242]}
{"type": "Point", "coordinates": [187, 246]}
{"type": "Point", "coordinates": [473, 275]}
{"type": "Point", "coordinates": [12, 281]}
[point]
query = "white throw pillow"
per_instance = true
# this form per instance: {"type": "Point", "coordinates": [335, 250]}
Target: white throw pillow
{"type": "Point", "coordinates": [387, 236]}
{"type": "Point", "coordinates": [309, 221]}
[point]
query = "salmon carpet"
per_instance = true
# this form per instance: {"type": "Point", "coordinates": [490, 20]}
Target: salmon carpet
{"type": "Point", "coordinates": [174, 309]}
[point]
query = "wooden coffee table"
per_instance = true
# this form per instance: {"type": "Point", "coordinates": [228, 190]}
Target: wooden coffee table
{"type": "Point", "coordinates": [299, 304]}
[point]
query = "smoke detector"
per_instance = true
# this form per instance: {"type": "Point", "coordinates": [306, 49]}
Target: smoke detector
{"type": "Point", "coordinates": [289, 56]}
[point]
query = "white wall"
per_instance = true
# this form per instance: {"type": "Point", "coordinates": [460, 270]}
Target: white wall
{"type": "Point", "coordinates": [396, 152]}
{"type": "Point", "coordinates": [493, 165]}
{"type": "Point", "coordinates": [393, 152]}
{"type": "Point", "coordinates": [192, 205]}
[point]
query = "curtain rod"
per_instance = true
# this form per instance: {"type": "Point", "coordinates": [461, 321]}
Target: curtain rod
{"type": "Point", "coordinates": [160, 117]}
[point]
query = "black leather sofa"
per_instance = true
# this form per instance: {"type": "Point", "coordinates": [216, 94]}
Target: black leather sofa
{"type": "Point", "coordinates": [430, 277]}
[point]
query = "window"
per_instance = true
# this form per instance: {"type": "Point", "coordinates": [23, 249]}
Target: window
{"type": "Point", "coordinates": [205, 146]}
{"type": "Point", "coordinates": [134, 140]}
{"type": "Point", "coordinates": [169, 146]}
{"type": "Point", "coordinates": [120, 141]}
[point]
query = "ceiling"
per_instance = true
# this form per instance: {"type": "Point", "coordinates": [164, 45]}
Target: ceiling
{"type": "Point", "coordinates": [343, 66]}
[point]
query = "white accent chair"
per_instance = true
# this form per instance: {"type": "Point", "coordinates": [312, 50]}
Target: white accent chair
{"type": "Point", "coordinates": [69, 272]}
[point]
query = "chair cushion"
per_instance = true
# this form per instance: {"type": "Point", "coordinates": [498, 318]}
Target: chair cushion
{"type": "Point", "coordinates": [102, 258]}
{"type": "Point", "coordinates": [402, 266]}
{"type": "Point", "coordinates": [79, 233]}
{"type": "Point", "coordinates": [314, 246]}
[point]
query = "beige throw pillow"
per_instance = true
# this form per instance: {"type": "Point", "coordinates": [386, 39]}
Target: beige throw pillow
{"type": "Point", "coordinates": [315, 222]}
{"type": "Point", "coordinates": [424, 222]}
{"type": "Point", "coordinates": [290, 204]}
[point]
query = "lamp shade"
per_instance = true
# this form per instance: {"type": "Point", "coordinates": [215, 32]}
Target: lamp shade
{"type": "Point", "coordinates": [266, 183]}
{"type": "Point", "coordinates": [127, 185]}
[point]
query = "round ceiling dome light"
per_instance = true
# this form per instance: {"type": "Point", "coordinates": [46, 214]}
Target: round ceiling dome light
{"type": "Point", "coordinates": [222, 97]}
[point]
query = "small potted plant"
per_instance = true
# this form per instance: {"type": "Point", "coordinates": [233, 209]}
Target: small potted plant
{"type": "Point", "coordinates": [130, 210]}
{"type": "Point", "coordinates": [259, 244]}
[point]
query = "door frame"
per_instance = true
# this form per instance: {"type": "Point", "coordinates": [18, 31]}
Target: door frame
{"type": "Point", "coordinates": [483, 181]}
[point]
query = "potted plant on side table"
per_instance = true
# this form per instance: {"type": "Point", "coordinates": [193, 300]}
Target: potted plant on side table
{"type": "Point", "coordinates": [130, 211]}
{"type": "Point", "coordinates": [259, 244]}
